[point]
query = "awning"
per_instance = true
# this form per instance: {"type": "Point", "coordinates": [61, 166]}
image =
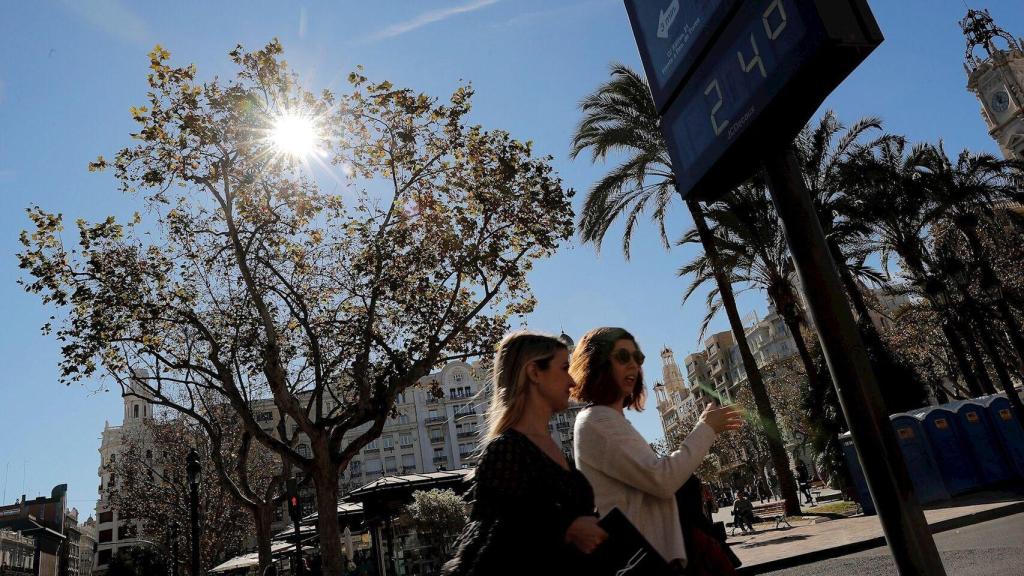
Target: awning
{"type": "Point", "coordinates": [253, 559]}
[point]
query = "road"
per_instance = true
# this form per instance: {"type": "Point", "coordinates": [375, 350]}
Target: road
{"type": "Point", "coordinates": [993, 548]}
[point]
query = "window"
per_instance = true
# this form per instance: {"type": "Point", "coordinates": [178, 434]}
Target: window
{"type": "Point", "coordinates": [113, 458]}
{"type": "Point", "coordinates": [355, 467]}
{"type": "Point", "coordinates": [389, 442]}
{"type": "Point", "coordinates": [125, 532]}
{"type": "Point", "coordinates": [391, 465]}
{"type": "Point", "coordinates": [106, 536]}
{"type": "Point", "coordinates": [405, 439]}
{"type": "Point", "coordinates": [103, 558]}
{"type": "Point", "coordinates": [264, 416]}
{"type": "Point", "coordinates": [303, 450]}
{"type": "Point", "coordinates": [136, 410]}
{"type": "Point", "coordinates": [107, 516]}
{"type": "Point", "coordinates": [149, 454]}
{"type": "Point", "coordinates": [373, 466]}
{"type": "Point", "coordinates": [408, 461]}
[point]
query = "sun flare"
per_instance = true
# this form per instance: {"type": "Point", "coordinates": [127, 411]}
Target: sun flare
{"type": "Point", "coordinates": [295, 135]}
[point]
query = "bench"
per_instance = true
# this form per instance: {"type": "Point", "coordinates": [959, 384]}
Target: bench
{"type": "Point", "coordinates": [774, 511]}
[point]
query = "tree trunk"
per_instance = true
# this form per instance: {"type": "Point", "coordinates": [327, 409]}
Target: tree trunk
{"type": "Point", "coordinates": [780, 460]}
{"type": "Point", "coordinates": [263, 516]}
{"type": "Point", "coordinates": [793, 324]}
{"type": "Point", "coordinates": [1004, 376]}
{"type": "Point", "coordinates": [979, 360]}
{"type": "Point", "coordinates": [327, 525]}
{"type": "Point", "coordinates": [1013, 330]}
{"type": "Point", "coordinates": [956, 345]}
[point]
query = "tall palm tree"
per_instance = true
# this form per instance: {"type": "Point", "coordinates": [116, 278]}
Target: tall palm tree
{"type": "Point", "coordinates": [888, 193]}
{"type": "Point", "coordinates": [749, 237]}
{"type": "Point", "coordinates": [620, 117]}
{"type": "Point", "coordinates": [970, 190]}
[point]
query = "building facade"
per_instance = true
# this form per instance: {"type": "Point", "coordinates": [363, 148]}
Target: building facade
{"type": "Point", "coordinates": [113, 532]}
{"type": "Point", "coordinates": [717, 371]}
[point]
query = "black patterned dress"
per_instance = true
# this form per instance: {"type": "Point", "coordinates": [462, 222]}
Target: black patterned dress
{"type": "Point", "coordinates": [524, 503]}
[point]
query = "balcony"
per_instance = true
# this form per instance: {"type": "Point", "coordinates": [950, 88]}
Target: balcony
{"type": "Point", "coordinates": [563, 426]}
{"type": "Point", "coordinates": [437, 439]}
{"type": "Point", "coordinates": [440, 460]}
{"type": "Point", "coordinates": [465, 412]}
{"type": "Point", "coordinates": [467, 434]}
{"type": "Point", "coordinates": [408, 469]}
{"type": "Point", "coordinates": [435, 420]}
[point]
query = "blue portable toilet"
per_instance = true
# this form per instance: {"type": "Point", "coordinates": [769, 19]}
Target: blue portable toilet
{"type": "Point", "coordinates": [956, 463]}
{"type": "Point", "coordinates": [1007, 429]}
{"type": "Point", "coordinates": [993, 466]}
{"type": "Point", "coordinates": [924, 471]}
{"type": "Point", "coordinates": [857, 474]}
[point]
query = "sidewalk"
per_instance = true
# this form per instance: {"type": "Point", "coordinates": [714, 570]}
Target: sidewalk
{"type": "Point", "coordinates": [814, 538]}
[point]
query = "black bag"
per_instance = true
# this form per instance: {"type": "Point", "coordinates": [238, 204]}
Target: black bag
{"type": "Point", "coordinates": [626, 552]}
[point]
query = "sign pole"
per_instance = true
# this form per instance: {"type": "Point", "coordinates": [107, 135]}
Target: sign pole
{"type": "Point", "coordinates": [903, 522]}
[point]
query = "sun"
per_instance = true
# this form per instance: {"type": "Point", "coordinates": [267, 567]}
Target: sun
{"type": "Point", "coordinates": [295, 135]}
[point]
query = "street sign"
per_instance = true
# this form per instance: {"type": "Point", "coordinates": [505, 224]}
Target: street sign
{"type": "Point", "coordinates": [754, 84]}
{"type": "Point", "coordinates": [672, 35]}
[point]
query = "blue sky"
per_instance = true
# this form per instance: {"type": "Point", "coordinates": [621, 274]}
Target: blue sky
{"type": "Point", "coordinates": [69, 71]}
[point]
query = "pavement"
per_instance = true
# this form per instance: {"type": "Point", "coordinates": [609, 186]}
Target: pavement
{"type": "Point", "coordinates": [992, 547]}
{"type": "Point", "coordinates": [815, 538]}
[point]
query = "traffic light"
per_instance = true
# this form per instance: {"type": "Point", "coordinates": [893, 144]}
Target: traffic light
{"type": "Point", "coordinates": [294, 508]}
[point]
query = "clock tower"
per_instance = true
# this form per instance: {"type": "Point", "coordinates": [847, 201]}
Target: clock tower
{"type": "Point", "coordinates": [996, 77]}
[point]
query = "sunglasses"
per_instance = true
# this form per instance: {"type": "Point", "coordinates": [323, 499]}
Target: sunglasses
{"type": "Point", "coordinates": [623, 356]}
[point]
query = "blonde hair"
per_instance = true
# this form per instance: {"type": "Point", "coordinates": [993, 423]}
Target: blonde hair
{"type": "Point", "coordinates": [508, 379]}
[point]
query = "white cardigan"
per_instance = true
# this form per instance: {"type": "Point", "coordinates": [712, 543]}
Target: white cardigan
{"type": "Point", "coordinates": [626, 474]}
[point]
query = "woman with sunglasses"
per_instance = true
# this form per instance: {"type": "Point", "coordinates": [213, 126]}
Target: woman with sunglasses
{"type": "Point", "coordinates": [533, 511]}
{"type": "Point", "coordinates": [619, 463]}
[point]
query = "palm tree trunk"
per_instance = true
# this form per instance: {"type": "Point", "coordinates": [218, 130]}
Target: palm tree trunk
{"type": "Point", "coordinates": [988, 342]}
{"type": "Point", "coordinates": [1013, 331]}
{"type": "Point", "coordinates": [765, 412]}
{"type": "Point", "coordinates": [979, 360]}
{"type": "Point", "coordinates": [961, 359]}
{"type": "Point", "coordinates": [794, 325]}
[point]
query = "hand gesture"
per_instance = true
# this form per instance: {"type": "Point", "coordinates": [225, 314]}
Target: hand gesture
{"type": "Point", "coordinates": [585, 534]}
{"type": "Point", "coordinates": [722, 419]}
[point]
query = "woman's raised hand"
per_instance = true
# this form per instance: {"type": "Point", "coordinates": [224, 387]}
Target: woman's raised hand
{"type": "Point", "coordinates": [723, 418]}
{"type": "Point", "coordinates": [585, 534]}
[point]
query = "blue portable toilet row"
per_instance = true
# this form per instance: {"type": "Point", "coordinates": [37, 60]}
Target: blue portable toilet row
{"type": "Point", "coordinates": [953, 448]}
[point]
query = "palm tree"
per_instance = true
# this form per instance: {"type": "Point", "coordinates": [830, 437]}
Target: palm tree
{"type": "Point", "coordinates": [887, 188]}
{"type": "Point", "coordinates": [749, 237]}
{"type": "Point", "coordinates": [970, 190]}
{"type": "Point", "coordinates": [620, 117]}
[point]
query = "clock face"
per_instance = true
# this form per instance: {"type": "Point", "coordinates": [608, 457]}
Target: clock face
{"type": "Point", "coordinates": [1000, 101]}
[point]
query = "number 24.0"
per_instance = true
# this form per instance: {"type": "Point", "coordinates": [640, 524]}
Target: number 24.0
{"type": "Point", "coordinates": [746, 66]}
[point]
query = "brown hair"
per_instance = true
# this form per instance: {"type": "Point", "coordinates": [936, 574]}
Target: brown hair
{"type": "Point", "coordinates": [591, 370]}
{"type": "Point", "coordinates": [508, 400]}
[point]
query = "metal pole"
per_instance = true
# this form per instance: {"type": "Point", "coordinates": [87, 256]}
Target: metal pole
{"type": "Point", "coordinates": [903, 522]}
{"type": "Point", "coordinates": [174, 549]}
{"type": "Point", "coordinates": [299, 569]}
{"type": "Point", "coordinates": [193, 470]}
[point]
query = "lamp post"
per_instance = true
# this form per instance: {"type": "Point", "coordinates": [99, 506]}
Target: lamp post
{"type": "Point", "coordinates": [193, 469]}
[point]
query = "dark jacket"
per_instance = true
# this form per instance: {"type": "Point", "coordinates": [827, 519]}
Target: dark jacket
{"type": "Point", "coordinates": [523, 503]}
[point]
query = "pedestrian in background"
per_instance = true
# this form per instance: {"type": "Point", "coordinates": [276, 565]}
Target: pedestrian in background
{"type": "Point", "coordinates": [622, 467]}
{"type": "Point", "coordinates": [533, 511]}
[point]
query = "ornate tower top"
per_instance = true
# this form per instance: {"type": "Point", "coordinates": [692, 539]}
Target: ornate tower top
{"type": "Point", "coordinates": [980, 30]}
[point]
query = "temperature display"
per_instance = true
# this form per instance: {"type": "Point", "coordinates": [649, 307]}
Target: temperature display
{"type": "Point", "coordinates": [760, 50]}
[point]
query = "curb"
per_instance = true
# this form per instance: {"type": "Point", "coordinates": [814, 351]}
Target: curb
{"type": "Point", "coordinates": [860, 546]}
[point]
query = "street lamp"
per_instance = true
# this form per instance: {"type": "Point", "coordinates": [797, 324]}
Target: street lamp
{"type": "Point", "coordinates": [193, 469]}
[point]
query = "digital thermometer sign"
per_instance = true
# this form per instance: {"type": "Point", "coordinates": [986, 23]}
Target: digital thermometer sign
{"type": "Point", "coordinates": [750, 82]}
